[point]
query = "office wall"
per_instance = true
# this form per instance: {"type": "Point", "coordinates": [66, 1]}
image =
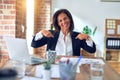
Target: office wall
{"type": "Point", "coordinates": [7, 25]}
{"type": "Point", "coordinates": [10, 22]}
{"type": "Point", "coordinates": [92, 13]}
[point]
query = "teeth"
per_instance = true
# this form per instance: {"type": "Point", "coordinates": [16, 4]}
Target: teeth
{"type": "Point", "coordinates": [65, 25]}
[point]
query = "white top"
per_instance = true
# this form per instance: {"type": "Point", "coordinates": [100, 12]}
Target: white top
{"type": "Point", "coordinates": [64, 47]}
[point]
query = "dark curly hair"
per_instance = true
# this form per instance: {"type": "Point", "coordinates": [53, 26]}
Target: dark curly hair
{"type": "Point", "coordinates": [55, 20]}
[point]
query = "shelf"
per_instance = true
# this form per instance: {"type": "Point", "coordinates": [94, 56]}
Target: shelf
{"type": "Point", "coordinates": [112, 55]}
{"type": "Point", "coordinates": [112, 40]}
{"type": "Point", "coordinates": [112, 43]}
{"type": "Point", "coordinates": [112, 49]}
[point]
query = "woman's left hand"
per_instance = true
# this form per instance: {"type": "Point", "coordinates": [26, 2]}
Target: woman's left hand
{"type": "Point", "coordinates": [82, 36]}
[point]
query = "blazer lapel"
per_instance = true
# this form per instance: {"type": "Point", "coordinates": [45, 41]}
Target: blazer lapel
{"type": "Point", "coordinates": [73, 39]}
{"type": "Point", "coordinates": [54, 41]}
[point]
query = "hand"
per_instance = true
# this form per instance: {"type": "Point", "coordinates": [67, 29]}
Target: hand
{"type": "Point", "coordinates": [46, 33]}
{"type": "Point", "coordinates": [82, 36]}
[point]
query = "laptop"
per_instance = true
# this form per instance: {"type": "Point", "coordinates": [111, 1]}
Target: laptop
{"type": "Point", "coordinates": [18, 50]}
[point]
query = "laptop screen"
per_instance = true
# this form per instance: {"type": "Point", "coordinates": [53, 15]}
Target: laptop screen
{"type": "Point", "coordinates": [17, 48]}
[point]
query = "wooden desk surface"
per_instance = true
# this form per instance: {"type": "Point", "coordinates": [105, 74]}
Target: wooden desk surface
{"type": "Point", "coordinates": [109, 72]}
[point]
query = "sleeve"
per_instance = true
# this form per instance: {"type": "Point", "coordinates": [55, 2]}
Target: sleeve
{"type": "Point", "coordinates": [38, 36]}
{"type": "Point", "coordinates": [89, 42]}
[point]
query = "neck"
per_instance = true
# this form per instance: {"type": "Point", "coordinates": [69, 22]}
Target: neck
{"type": "Point", "coordinates": [65, 32]}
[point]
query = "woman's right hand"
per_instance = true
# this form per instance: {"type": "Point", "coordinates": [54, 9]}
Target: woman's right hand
{"type": "Point", "coordinates": [46, 33]}
{"type": "Point", "coordinates": [82, 36]}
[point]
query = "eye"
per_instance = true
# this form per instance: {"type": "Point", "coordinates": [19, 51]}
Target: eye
{"type": "Point", "coordinates": [60, 20]}
{"type": "Point", "coordinates": [65, 18]}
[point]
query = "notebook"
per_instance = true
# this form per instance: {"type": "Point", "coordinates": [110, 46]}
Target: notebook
{"type": "Point", "coordinates": [18, 50]}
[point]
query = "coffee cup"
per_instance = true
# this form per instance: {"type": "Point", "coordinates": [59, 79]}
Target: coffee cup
{"type": "Point", "coordinates": [51, 56]}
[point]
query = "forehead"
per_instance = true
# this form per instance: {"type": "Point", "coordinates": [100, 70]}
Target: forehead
{"type": "Point", "coordinates": [61, 15]}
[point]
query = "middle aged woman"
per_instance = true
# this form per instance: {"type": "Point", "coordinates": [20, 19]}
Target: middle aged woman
{"type": "Point", "coordinates": [63, 39]}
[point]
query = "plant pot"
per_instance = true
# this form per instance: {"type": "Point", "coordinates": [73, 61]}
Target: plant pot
{"type": "Point", "coordinates": [47, 74]}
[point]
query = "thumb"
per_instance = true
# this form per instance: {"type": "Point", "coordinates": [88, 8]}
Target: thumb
{"type": "Point", "coordinates": [76, 37]}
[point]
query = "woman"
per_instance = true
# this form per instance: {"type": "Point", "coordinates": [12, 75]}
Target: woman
{"type": "Point", "coordinates": [63, 39]}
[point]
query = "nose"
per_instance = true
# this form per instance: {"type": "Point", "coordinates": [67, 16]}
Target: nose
{"type": "Point", "coordinates": [63, 22]}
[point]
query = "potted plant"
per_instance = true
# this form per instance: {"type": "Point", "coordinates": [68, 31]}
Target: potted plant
{"type": "Point", "coordinates": [87, 30]}
{"type": "Point", "coordinates": [47, 70]}
{"type": "Point", "coordinates": [90, 32]}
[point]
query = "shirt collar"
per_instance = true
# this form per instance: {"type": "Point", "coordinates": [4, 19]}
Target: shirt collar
{"type": "Point", "coordinates": [62, 35]}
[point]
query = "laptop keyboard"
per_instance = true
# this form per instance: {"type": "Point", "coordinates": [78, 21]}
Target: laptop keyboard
{"type": "Point", "coordinates": [36, 59]}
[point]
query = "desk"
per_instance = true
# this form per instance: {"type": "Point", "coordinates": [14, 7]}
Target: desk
{"type": "Point", "coordinates": [109, 72]}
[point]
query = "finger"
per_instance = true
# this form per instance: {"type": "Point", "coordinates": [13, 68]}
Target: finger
{"type": "Point", "coordinates": [51, 35]}
{"type": "Point", "coordinates": [87, 37]}
{"type": "Point", "coordinates": [76, 37]}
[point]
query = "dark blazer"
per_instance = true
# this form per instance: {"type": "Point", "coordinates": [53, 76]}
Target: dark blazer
{"type": "Point", "coordinates": [76, 43]}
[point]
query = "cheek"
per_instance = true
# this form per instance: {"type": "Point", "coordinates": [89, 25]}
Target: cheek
{"type": "Point", "coordinates": [60, 24]}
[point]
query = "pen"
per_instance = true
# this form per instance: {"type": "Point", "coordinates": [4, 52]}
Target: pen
{"type": "Point", "coordinates": [80, 57]}
{"type": "Point", "coordinates": [68, 61]}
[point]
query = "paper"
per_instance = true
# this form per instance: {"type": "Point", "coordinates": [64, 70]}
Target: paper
{"type": "Point", "coordinates": [55, 71]}
{"type": "Point", "coordinates": [85, 60]}
{"type": "Point", "coordinates": [40, 71]}
{"type": "Point", "coordinates": [111, 31]}
{"type": "Point", "coordinates": [88, 61]}
{"type": "Point", "coordinates": [118, 29]}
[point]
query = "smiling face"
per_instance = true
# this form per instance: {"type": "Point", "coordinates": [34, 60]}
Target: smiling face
{"type": "Point", "coordinates": [64, 22]}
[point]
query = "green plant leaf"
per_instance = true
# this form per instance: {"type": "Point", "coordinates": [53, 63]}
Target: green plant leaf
{"type": "Point", "coordinates": [47, 65]}
{"type": "Point", "coordinates": [87, 30]}
{"type": "Point", "coordinates": [94, 30]}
